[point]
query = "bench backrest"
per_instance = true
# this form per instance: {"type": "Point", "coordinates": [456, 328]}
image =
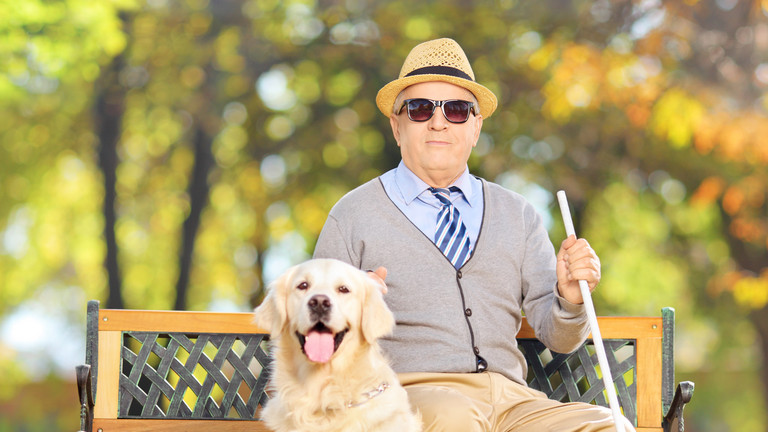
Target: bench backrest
{"type": "Point", "coordinates": [640, 353]}
{"type": "Point", "coordinates": [174, 370]}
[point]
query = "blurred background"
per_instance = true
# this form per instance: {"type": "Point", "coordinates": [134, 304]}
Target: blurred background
{"type": "Point", "coordinates": [179, 154]}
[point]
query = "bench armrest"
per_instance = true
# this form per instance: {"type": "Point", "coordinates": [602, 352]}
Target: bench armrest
{"type": "Point", "coordinates": [683, 395]}
{"type": "Point", "coordinates": [85, 391]}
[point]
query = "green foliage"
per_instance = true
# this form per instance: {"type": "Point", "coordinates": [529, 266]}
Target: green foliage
{"type": "Point", "coordinates": [650, 115]}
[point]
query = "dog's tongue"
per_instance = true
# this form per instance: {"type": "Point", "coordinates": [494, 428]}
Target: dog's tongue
{"type": "Point", "coordinates": [319, 346]}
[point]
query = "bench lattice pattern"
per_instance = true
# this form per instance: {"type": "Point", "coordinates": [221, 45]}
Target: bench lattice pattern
{"type": "Point", "coordinates": [176, 375]}
{"type": "Point", "coordinates": [574, 377]}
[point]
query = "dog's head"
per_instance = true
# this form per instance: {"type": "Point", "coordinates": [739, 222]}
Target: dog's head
{"type": "Point", "coordinates": [321, 303]}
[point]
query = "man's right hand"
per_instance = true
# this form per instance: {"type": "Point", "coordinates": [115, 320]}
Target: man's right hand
{"type": "Point", "coordinates": [379, 275]}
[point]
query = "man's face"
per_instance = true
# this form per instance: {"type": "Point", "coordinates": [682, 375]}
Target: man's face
{"type": "Point", "coordinates": [435, 150]}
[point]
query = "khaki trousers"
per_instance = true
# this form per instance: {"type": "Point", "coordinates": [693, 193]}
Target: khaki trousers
{"type": "Point", "coordinates": [490, 402]}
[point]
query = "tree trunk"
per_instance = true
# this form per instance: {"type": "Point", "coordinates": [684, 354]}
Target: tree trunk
{"type": "Point", "coordinates": [760, 320]}
{"type": "Point", "coordinates": [108, 112]}
{"type": "Point", "coordinates": [198, 197]}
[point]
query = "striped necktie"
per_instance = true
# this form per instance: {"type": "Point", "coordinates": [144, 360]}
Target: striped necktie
{"type": "Point", "coordinates": [450, 233]}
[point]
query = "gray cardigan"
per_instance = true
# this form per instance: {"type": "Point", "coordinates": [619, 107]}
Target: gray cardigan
{"type": "Point", "coordinates": [444, 316]}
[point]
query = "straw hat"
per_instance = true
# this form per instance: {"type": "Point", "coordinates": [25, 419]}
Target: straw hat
{"type": "Point", "coordinates": [436, 60]}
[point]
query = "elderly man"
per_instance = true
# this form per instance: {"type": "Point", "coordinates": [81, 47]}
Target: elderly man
{"type": "Point", "coordinates": [464, 258]}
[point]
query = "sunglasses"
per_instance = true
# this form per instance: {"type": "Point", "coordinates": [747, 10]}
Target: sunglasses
{"type": "Point", "coordinates": [421, 110]}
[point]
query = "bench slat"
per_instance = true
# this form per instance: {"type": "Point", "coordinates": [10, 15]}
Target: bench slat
{"type": "Point", "coordinates": [110, 347]}
{"type": "Point", "coordinates": [139, 425]}
{"type": "Point", "coordinates": [107, 425]}
{"type": "Point", "coordinates": [614, 328]}
{"type": "Point", "coordinates": [649, 381]}
{"type": "Point", "coordinates": [242, 322]}
{"type": "Point", "coordinates": [177, 321]}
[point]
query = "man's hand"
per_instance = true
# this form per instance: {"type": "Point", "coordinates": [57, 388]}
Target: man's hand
{"type": "Point", "coordinates": [379, 275]}
{"type": "Point", "coordinates": [576, 261]}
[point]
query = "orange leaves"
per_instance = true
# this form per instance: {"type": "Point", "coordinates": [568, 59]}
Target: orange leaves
{"type": "Point", "coordinates": [707, 135]}
{"type": "Point", "coordinates": [749, 289]}
{"type": "Point", "coordinates": [734, 139]}
{"type": "Point", "coordinates": [747, 229]}
{"type": "Point", "coordinates": [743, 201]}
{"type": "Point", "coordinates": [583, 77]}
{"type": "Point", "coordinates": [748, 223]}
{"type": "Point", "coordinates": [733, 200]}
{"type": "Point", "coordinates": [749, 192]}
{"type": "Point", "coordinates": [638, 114]}
{"type": "Point", "coordinates": [574, 83]}
{"type": "Point", "coordinates": [738, 137]}
{"type": "Point", "coordinates": [709, 190]}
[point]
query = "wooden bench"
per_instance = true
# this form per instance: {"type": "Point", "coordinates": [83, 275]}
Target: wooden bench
{"type": "Point", "coordinates": [203, 371]}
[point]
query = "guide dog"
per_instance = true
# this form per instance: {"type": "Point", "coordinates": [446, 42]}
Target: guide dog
{"type": "Point", "coordinates": [328, 374]}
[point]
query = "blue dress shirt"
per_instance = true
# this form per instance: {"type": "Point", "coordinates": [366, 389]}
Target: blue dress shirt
{"type": "Point", "coordinates": [412, 196]}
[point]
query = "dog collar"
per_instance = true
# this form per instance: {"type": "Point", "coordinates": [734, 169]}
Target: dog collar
{"type": "Point", "coordinates": [367, 396]}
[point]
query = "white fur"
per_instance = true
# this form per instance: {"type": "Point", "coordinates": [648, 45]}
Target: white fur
{"type": "Point", "coordinates": [309, 396]}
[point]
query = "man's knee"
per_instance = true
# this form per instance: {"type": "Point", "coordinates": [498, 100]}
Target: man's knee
{"type": "Point", "coordinates": [601, 419]}
{"type": "Point", "coordinates": [446, 410]}
{"type": "Point", "coordinates": [576, 416]}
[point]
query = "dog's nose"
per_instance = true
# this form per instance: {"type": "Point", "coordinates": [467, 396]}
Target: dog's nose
{"type": "Point", "coordinates": [319, 304]}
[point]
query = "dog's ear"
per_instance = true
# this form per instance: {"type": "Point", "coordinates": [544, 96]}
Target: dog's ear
{"type": "Point", "coordinates": [272, 313]}
{"type": "Point", "coordinates": [377, 319]}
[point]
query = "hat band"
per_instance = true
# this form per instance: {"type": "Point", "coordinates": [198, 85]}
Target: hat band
{"type": "Point", "coordinates": [440, 70]}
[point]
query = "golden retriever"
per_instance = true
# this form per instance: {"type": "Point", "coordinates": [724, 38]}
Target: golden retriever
{"type": "Point", "coordinates": [328, 374]}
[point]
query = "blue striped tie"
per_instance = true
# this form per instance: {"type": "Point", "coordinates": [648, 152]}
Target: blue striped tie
{"type": "Point", "coordinates": [450, 234]}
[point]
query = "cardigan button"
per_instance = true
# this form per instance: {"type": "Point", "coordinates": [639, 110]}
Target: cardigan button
{"type": "Point", "coordinates": [468, 312]}
{"type": "Point", "coordinates": [482, 365]}
{"type": "Point", "coordinates": [458, 274]}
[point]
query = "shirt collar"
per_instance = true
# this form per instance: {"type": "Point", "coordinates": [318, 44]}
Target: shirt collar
{"type": "Point", "coordinates": [411, 186]}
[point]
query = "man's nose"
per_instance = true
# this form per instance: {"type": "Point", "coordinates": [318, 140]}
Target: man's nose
{"type": "Point", "coordinates": [438, 120]}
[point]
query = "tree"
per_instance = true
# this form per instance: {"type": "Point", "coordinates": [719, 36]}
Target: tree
{"type": "Point", "coordinates": [177, 154]}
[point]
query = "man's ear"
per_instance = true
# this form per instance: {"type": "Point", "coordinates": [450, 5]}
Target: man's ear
{"type": "Point", "coordinates": [377, 319]}
{"type": "Point", "coordinates": [272, 313]}
{"type": "Point", "coordinates": [478, 128]}
{"type": "Point", "coordinates": [394, 123]}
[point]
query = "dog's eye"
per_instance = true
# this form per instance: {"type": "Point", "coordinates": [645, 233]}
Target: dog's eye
{"type": "Point", "coordinates": [342, 289]}
{"type": "Point", "coordinates": [302, 286]}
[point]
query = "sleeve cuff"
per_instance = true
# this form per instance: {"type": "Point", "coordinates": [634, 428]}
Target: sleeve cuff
{"type": "Point", "coordinates": [568, 309]}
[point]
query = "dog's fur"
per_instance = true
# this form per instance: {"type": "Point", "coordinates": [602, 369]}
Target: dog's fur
{"type": "Point", "coordinates": [315, 395]}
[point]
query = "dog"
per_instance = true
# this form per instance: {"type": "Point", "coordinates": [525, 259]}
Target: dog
{"type": "Point", "coordinates": [328, 373]}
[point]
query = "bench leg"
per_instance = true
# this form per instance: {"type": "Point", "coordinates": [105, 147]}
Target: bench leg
{"type": "Point", "coordinates": [683, 395]}
{"type": "Point", "coordinates": [84, 390]}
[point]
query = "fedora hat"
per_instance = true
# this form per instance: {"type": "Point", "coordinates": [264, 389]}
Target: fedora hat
{"type": "Point", "coordinates": [436, 60]}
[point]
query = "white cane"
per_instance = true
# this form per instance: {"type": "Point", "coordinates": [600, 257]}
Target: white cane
{"type": "Point", "coordinates": [592, 317]}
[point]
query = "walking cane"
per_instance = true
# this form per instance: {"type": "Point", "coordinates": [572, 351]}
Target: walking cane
{"type": "Point", "coordinates": [592, 317]}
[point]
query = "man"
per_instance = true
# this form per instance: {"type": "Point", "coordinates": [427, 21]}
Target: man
{"type": "Point", "coordinates": [464, 257]}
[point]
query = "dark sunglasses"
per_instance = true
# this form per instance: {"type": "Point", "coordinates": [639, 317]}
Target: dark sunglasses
{"type": "Point", "coordinates": [421, 110]}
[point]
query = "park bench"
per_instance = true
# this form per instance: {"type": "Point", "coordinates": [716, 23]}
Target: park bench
{"type": "Point", "coordinates": [207, 371]}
